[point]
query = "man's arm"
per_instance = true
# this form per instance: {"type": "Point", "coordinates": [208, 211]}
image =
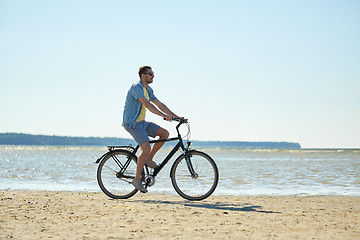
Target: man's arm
{"type": "Point", "coordinates": [152, 108]}
{"type": "Point", "coordinates": [164, 108]}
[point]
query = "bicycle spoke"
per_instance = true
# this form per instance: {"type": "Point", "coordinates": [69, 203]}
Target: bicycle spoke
{"type": "Point", "coordinates": [111, 169]}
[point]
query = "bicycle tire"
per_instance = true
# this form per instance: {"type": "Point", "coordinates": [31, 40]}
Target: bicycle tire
{"type": "Point", "coordinates": [199, 187]}
{"type": "Point", "coordinates": [110, 179]}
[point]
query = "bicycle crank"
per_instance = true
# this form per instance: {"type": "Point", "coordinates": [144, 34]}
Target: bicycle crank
{"type": "Point", "coordinates": [149, 180]}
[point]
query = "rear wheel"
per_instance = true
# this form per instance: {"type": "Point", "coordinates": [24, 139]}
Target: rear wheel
{"type": "Point", "coordinates": [115, 173]}
{"type": "Point", "coordinates": [199, 185]}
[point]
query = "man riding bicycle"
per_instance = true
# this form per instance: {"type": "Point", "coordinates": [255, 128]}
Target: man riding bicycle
{"type": "Point", "coordinates": [139, 98]}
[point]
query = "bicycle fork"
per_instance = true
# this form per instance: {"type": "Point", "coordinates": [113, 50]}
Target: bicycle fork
{"type": "Point", "coordinates": [188, 155]}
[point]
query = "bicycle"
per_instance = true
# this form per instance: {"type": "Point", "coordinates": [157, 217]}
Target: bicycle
{"type": "Point", "coordinates": [194, 174]}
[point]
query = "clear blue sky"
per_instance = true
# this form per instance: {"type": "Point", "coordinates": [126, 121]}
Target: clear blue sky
{"type": "Point", "coordinates": [239, 70]}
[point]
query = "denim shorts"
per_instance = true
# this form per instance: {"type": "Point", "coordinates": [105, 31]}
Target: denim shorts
{"type": "Point", "coordinates": [142, 131]}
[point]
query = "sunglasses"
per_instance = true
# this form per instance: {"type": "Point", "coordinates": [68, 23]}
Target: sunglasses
{"type": "Point", "coordinates": [151, 74]}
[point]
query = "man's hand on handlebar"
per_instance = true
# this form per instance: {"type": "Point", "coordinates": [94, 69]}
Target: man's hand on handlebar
{"type": "Point", "coordinates": [168, 118]}
{"type": "Point", "coordinates": [178, 119]}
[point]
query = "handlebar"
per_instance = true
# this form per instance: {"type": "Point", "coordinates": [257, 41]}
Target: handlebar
{"type": "Point", "coordinates": [180, 120]}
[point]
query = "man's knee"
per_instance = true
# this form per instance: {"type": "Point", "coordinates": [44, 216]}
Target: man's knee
{"type": "Point", "coordinates": [166, 134]}
{"type": "Point", "coordinates": [145, 148]}
{"type": "Point", "coordinates": [163, 133]}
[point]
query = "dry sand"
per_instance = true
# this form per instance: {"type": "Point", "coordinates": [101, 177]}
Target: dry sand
{"type": "Point", "coordinates": [79, 215]}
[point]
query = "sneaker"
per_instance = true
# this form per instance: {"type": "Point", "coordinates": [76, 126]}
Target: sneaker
{"type": "Point", "coordinates": [139, 186]}
{"type": "Point", "coordinates": [151, 164]}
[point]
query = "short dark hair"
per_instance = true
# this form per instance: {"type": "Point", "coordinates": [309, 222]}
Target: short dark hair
{"type": "Point", "coordinates": [143, 69]}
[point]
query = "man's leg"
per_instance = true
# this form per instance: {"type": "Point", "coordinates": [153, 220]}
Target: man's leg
{"type": "Point", "coordinates": [145, 151]}
{"type": "Point", "coordinates": [162, 134]}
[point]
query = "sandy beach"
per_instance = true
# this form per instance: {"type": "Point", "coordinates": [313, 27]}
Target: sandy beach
{"type": "Point", "coordinates": [81, 215]}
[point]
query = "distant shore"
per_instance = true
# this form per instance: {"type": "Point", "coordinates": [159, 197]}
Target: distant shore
{"type": "Point", "coordinates": [78, 215]}
{"type": "Point", "coordinates": [29, 139]}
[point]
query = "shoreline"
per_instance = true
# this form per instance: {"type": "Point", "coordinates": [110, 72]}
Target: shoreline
{"type": "Point", "coordinates": [174, 193]}
{"type": "Point", "coordinates": [29, 214]}
{"type": "Point", "coordinates": [265, 192]}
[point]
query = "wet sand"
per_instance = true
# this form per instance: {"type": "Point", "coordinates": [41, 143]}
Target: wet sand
{"type": "Point", "coordinates": [80, 215]}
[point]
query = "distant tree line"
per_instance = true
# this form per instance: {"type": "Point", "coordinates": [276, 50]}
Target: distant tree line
{"type": "Point", "coordinates": [29, 139]}
{"type": "Point", "coordinates": [236, 144]}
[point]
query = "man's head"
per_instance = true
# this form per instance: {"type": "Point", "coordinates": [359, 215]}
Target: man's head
{"type": "Point", "coordinates": [146, 74]}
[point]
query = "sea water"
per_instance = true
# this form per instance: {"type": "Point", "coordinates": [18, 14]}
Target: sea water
{"type": "Point", "coordinates": [242, 171]}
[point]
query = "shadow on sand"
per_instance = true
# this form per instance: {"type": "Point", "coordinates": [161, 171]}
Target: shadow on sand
{"type": "Point", "coordinates": [217, 206]}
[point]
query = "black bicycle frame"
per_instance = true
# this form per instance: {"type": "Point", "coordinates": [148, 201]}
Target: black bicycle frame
{"type": "Point", "coordinates": [168, 157]}
{"type": "Point", "coordinates": [171, 154]}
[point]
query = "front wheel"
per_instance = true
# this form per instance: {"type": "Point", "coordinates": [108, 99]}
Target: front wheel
{"type": "Point", "coordinates": [200, 183]}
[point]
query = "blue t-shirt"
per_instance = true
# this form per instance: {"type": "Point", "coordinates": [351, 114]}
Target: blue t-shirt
{"type": "Point", "coordinates": [133, 105]}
